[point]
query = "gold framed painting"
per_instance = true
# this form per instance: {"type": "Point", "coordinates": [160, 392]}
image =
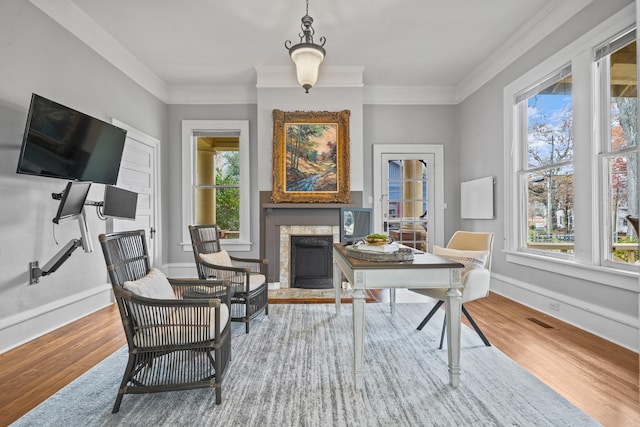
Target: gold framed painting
{"type": "Point", "coordinates": [311, 157]}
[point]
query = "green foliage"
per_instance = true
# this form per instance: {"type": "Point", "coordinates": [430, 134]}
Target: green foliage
{"type": "Point", "coordinates": [624, 255]}
{"type": "Point", "coordinates": [228, 199]}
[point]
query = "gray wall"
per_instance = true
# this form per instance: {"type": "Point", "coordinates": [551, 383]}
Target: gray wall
{"type": "Point", "coordinates": [37, 55]}
{"type": "Point", "coordinates": [172, 163]}
{"type": "Point", "coordinates": [394, 124]}
{"type": "Point", "coordinates": [482, 154]}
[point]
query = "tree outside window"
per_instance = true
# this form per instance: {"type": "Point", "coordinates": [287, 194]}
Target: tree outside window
{"type": "Point", "coordinates": [549, 169]}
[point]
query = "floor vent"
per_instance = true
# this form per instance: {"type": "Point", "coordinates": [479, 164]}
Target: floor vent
{"type": "Point", "coordinates": [539, 322]}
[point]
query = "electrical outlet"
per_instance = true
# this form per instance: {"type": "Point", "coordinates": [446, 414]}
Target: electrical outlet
{"type": "Point", "coordinates": [554, 305]}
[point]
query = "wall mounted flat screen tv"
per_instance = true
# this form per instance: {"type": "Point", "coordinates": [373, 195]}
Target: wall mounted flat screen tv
{"type": "Point", "coordinates": [60, 142]}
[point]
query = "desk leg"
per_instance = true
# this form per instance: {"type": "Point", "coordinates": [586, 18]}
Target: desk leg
{"type": "Point", "coordinates": [359, 296]}
{"type": "Point", "coordinates": [337, 285]}
{"type": "Point", "coordinates": [453, 310]}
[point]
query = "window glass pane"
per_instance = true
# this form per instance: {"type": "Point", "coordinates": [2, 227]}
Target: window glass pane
{"type": "Point", "coordinates": [624, 96]}
{"type": "Point", "coordinates": [217, 188]}
{"type": "Point", "coordinates": [550, 210]}
{"type": "Point", "coordinates": [621, 171]}
{"type": "Point", "coordinates": [407, 190]}
{"type": "Point", "coordinates": [550, 125]}
{"type": "Point", "coordinates": [549, 151]}
{"type": "Point", "coordinates": [624, 239]}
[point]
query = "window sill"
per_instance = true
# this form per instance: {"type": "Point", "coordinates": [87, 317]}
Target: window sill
{"type": "Point", "coordinates": [617, 278]}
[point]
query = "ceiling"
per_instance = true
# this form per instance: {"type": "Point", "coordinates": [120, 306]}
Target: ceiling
{"type": "Point", "coordinates": [213, 43]}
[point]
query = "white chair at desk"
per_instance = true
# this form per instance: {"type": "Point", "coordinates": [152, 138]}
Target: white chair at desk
{"type": "Point", "coordinates": [473, 249]}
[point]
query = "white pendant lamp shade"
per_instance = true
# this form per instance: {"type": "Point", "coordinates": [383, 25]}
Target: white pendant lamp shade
{"type": "Point", "coordinates": [307, 60]}
{"type": "Point", "coordinates": [307, 55]}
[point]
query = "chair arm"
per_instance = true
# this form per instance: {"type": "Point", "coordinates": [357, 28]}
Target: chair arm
{"type": "Point", "coordinates": [255, 265]}
{"type": "Point", "coordinates": [189, 288]}
{"type": "Point", "coordinates": [170, 303]}
{"type": "Point", "coordinates": [250, 260]}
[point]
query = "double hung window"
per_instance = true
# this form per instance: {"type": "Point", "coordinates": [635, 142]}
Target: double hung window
{"type": "Point", "coordinates": [546, 164]}
{"type": "Point", "coordinates": [616, 65]}
{"type": "Point", "coordinates": [215, 180]}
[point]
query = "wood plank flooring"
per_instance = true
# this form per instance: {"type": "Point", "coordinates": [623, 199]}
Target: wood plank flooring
{"type": "Point", "coordinates": [597, 376]}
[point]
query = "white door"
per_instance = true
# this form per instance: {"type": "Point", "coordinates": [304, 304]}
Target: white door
{"type": "Point", "coordinates": [139, 173]}
{"type": "Point", "coordinates": [408, 193]}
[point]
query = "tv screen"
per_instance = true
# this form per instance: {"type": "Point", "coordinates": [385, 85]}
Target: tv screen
{"type": "Point", "coordinates": [61, 142]}
{"type": "Point", "coordinates": [72, 200]}
{"type": "Point", "coordinates": [355, 224]}
{"type": "Point", "coordinates": [119, 203]}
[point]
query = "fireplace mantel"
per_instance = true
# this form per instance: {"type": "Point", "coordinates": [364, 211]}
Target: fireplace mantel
{"type": "Point", "coordinates": [274, 215]}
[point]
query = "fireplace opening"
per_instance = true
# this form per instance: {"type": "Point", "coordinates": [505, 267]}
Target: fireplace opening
{"type": "Point", "coordinates": [311, 262]}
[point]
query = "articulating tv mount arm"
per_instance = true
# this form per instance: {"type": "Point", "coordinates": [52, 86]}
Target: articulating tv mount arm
{"type": "Point", "coordinates": [35, 272]}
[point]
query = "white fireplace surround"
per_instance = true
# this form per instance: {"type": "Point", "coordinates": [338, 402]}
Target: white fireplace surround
{"type": "Point", "coordinates": [286, 231]}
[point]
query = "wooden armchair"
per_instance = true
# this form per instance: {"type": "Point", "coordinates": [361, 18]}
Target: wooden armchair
{"type": "Point", "coordinates": [248, 276]}
{"type": "Point", "coordinates": [178, 331]}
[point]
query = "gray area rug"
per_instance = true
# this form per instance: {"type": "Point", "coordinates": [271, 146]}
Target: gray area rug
{"type": "Point", "coordinates": [295, 369]}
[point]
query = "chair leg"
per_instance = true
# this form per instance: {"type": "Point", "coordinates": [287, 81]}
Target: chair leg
{"type": "Point", "coordinates": [475, 326]}
{"type": "Point", "coordinates": [444, 327]}
{"type": "Point", "coordinates": [430, 315]}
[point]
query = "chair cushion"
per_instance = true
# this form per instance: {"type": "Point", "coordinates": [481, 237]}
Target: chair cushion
{"type": "Point", "coordinates": [470, 259]}
{"type": "Point", "coordinates": [255, 281]}
{"type": "Point", "coordinates": [153, 285]}
{"type": "Point", "coordinates": [218, 258]}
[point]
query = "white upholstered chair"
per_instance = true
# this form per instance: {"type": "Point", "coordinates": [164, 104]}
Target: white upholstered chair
{"type": "Point", "coordinates": [473, 249]}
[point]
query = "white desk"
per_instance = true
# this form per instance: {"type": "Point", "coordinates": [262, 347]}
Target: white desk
{"type": "Point", "coordinates": [425, 271]}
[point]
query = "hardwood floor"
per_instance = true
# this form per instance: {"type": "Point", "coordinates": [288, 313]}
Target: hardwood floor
{"type": "Point", "coordinates": [597, 376]}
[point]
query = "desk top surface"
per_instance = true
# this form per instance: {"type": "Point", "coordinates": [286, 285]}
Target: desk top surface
{"type": "Point", "coordinates": [420, 260]}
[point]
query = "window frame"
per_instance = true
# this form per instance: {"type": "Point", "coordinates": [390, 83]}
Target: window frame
{"type": "Point", "coordinates": [189, 151]}
{"type": "Point", "coordinates": [602, 95]}
{"type": "Point", "coordinates": [521, 161]}
{"type": "Point", "coordinates": [586, 261]}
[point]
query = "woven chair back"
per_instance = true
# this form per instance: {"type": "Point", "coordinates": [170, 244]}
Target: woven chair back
{"type": "Point", "coordinates": [126, 256]}
{"type": "Point", "coordinates": [205, 239]}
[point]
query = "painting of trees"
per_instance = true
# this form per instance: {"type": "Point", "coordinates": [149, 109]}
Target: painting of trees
{"type": "Point", "coordinates": [311, 157]}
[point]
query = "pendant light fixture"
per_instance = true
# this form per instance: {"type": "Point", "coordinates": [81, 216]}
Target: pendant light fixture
{"type": "Point", "coordinates": [307, 55]}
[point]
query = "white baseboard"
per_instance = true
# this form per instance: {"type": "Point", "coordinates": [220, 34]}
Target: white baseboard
{"type": "Point", "coordinates": [23, 327]}
{"type": "Point", "coordinates": [610, 325]}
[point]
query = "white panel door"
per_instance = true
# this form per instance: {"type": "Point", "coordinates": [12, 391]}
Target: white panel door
{"type": "Point", "coordinates": [138, 172]}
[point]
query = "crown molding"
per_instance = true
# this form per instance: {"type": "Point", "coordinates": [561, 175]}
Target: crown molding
{"type": "Point", "coordinates": [73, 19]}
{"type": "Point", "coordinates": [537, 28]}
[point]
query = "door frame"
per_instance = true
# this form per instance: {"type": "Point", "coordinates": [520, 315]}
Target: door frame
{"type": "Point", "coordinates": [154, 143]}
{"type": "Point", "coordinates": [437, 216]}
